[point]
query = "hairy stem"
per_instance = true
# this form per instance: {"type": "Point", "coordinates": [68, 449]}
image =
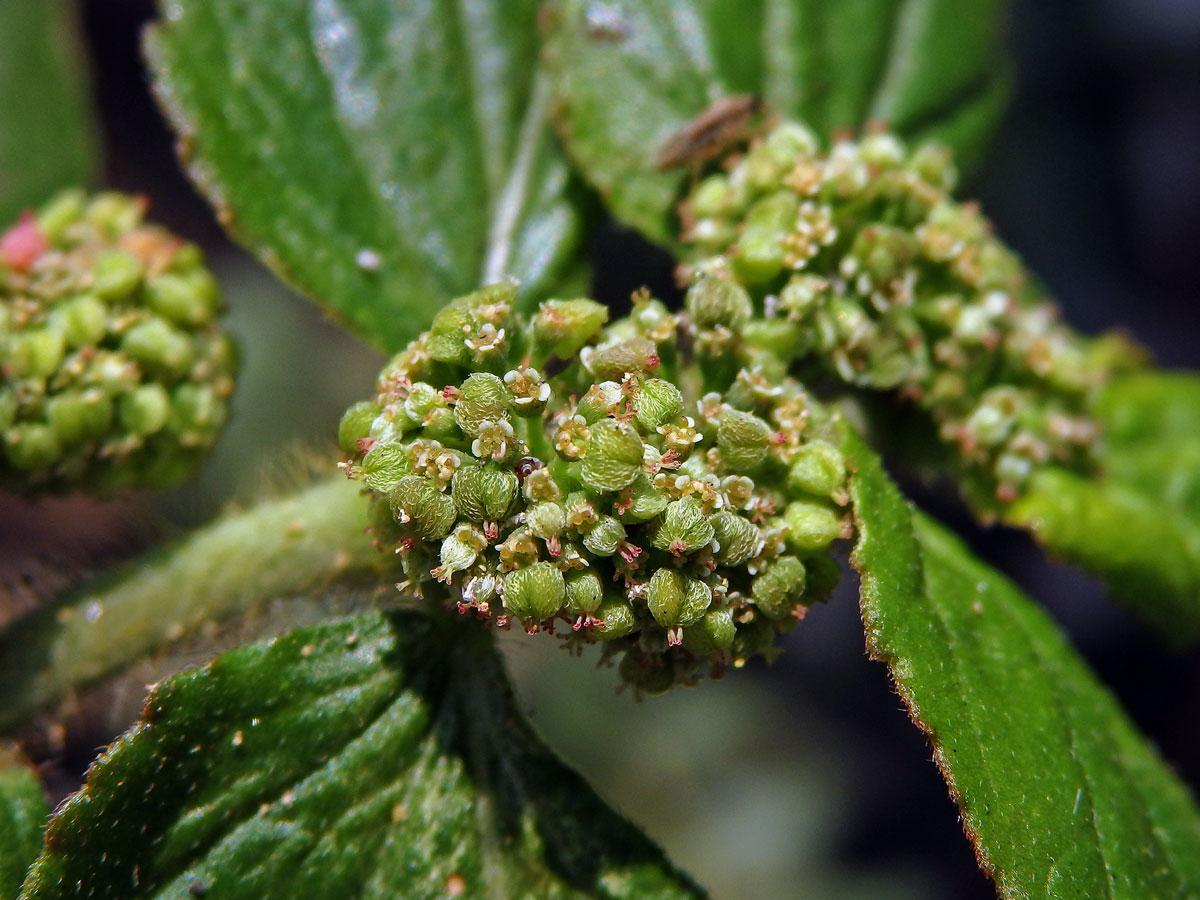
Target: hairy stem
{"type": "Point", "coordinates": [274, 549]}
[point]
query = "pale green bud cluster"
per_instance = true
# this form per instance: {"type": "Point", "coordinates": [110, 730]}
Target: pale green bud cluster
{"type": "Point", "coordinates": [114, 372]}
{"type": "Point", "coordinates": [638, 497]}
{"type": "Point", "coordinates": [860, 262]}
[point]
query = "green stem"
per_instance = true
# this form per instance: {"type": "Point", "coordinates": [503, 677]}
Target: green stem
{"type": "Point", "coordinates": [275, 549]}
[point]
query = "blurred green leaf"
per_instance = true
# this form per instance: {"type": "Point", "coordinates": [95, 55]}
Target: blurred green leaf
{"type": "Point", "coordinates": [628, 76]}
{"type": "Point", "coordinates": [382, 157]}
{"type": "Point", "coordinates": [23, 814]}
{"type": "Point", "coordinates": [374, 757]}
{"type": "Point", "coordinates": [47, 137]}
{"type": "Point", "coordinates": [1138, 524]}
{"type": "Point", "coordinates": [1060, 794]}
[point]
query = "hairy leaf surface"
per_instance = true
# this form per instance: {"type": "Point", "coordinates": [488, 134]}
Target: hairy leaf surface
{"type": "Point", "coordinates": [373, 757]}
{"type": "Point", "coordinates": [1138, 524]}
{"type": "Point", "coordinates": [383, 157]}
{"type": "Point", "coordinates": [628, 76]}
{"type": "Point", "coordinates": [23, 813]}
{"type": "Point", "coordinates": [1060, 794]}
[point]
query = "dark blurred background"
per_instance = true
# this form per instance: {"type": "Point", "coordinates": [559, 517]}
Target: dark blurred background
{"type": "Point", "coordinates": [803, 779]}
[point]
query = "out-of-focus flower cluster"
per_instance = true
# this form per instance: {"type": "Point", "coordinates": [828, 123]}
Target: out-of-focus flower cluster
{"type": "Point", "coordinates": [862, 266]}
{"type": "Point", "coordinates": [114, 372]}
{"type": "Point", "coordinates": [668, 490]}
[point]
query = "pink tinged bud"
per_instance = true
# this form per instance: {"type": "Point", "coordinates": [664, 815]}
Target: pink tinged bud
{"type": "Point", "coordinates": [22, 244]}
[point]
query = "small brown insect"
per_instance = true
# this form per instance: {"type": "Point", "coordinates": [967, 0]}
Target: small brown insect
{"type": "Point", "coordinates": [526, 466]}
{"type": "Point", "coordinates": [720, 126]}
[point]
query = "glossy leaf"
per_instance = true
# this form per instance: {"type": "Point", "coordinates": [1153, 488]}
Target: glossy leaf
{"type": "Point", "coordinates": [1138, 524]}
{"type": "Point", "coordinates": [374, 757]}
{"type": "Point", "coordinates": [628, 76]}
{"type": "Point", "coordinates": [46, 130]}
{"type": "Point", "coordinates": [383, 157]}
{"type": "Point", "coordinates": [23, 813]}
{"type": "Point", "coordinates": [1059, 793]}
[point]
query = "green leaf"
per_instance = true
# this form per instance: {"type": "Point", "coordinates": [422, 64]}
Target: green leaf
{"type": "Point", "coordinates": [47, 140]}
{"type": "Point", "coordinates": [1060, 794]}
{"type": "Point", "coordinates": [23, 814]}
{"type": "Point", "coordinates": [383, 157]}
{"type": "Point", "coordinates": [375, 757]}
{"type": "Point", "coordinates": [628, 76]}
{"type": "Point", "coordinates": [1138, 524]}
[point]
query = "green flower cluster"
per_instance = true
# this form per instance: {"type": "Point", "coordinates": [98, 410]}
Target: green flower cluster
{"type": "Point", "coordinates": [114, 372]}
{"type": "Point", "coordinates": [865, 269]}
{"type": "Point", "coordinates": [679, 510]}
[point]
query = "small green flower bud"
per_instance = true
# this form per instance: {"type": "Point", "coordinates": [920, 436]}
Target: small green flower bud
{"type": "Point", "coordinates": [614, 456]}
{"type": "Point", "coordinates": [423, 398]}
{"type": "Point", "coordinates": [31, 446]}
{"type": "Point", "coordinates": [80, 417]}
{"type": "Point", "coordinates": [614, 362]}
{"type": "Point", "coordinates": [115, 275]}
{"type": "Point", "coordinates": [640, 502]}
{"type": "Point", "coordinates": [562, 327]}
{"type": "Point", "coordinates": [991, 422]}
{"type": "Point", "coordinates": [737, 538]}
{"type": "Point", "coordinates": [935, 164]}
{"type": "Point", "coordinates": [658, 402]}
{"type": "Point", "coordinates": [83, 321]}
{"type": "Point", "coordinates": [446, 335]}
{"type": "Point", "coordinates": [158, 346]}
{"type": "Point", "coordinates": [712, 197]}
{"type": "Point", "coordinates": [585, 591]}
{"type": "Point", "coordinates": [145, 410]}
{"type": "Point", "coordinates": [810, 525]}
{"type": "Point", "coordinates": [356, 425]}
{"type": "Point", "coordinates": [717, 301]}
{"type": "Point", "coordinates": [759, 253]}
{"type": "Point", "coordinates": [197, 413]}
{"type": "Point", "coordinates": [459, 551]}
{"type": "Point", "coordinates": [528, 393]}
{"type": "Point", "coordinates": [652, 319]}
{"type": "Point", "coordinates": [599, 401]}
{"type": "Point", "coordinates": [482, 397]}
{"type": "Point", "coordinates": [497, 441]}
{"type": "Point", "coordinates": [605, 536]}
{"type": "Point", "coordinates": [483, 493]}
{"type": "Point", "coordinates": [615, 618]}
{"type": "Point", "coordinates": [742, 439]}
{"type": "Point", "coordinates": [535, 592]}
{"type": "Point", "coordinates": [440, 425]}
{"type": "Point", "coordinates": [187, 299]}
{"type": "Point", "coordinates": [676, 600]}
{"type": "Point", "coordinates": [683, 528]}
{"type": "Point", "coordinates": [817, 468]}
{"type": "Point", "coordinates": [114, 214]}
{"type": "Point", "coordinates": [714, 632]}
{"type": "Point", "coordinates": [881, 252]}
{"type": "Point", "coordinates": [546, 520]}
{"type": "Point", "coordinates": [540, 485]}
{"type": "Point", "coordinates": [384, 465]}
{"type": "Point", "coordinates": [37, 354]}
{"type": "Point", "coordinates": [64, 210]}
{"type": "Point", "coordinates": [417, 502]}
{"type": "Point", "coordinates": [777, 591]}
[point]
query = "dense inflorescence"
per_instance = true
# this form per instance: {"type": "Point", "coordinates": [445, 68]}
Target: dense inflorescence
{"type": "Point", "coordinates": [865, 269]}
{"type": "Point", "coordinates": [668, 491]}
{"type": "Point", "coordinates": [114, 372]}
